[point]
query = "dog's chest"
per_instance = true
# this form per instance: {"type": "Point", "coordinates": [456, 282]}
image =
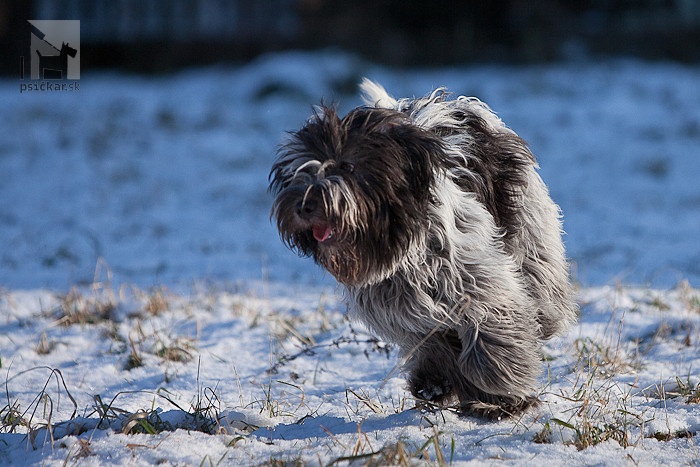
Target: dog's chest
{"type": "Point", "coordinates": [392, 309]}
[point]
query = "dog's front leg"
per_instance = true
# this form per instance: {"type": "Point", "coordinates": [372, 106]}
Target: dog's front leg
{"type": "Point", "coordinates": [432, 365]}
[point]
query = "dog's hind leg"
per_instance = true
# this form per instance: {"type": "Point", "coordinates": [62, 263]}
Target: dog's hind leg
{"type": "Point", "coordinates": [438, 376]}
{"type": "Point", "coordinates": [498, 368]}
{"type": "Point", "coordinates": [538, 250]}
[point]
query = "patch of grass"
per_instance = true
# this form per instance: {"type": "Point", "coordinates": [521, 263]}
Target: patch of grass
{"type": "Point", "coordinates": [278, 403]}
{"type": "Point", "coordinates": [78, 308]}
{"type": "Point", "coordinates": [659, 303]}
{"type": "Point", "coordinates": [89, 307]}
{"type": "Point", "coordinates": [202, 415]}
{"type": "Point", "coordinates": [602, 412]}
{"type": "Point", "coordinates": [364, 399]}
{"type": "Point", "coordinates": [689, 296]}
{"type": "Point", "coordinates": [684, 388]}
{"type": "Point", "coordinates": [145, 422]}
{"type": "Point", "coordinates": [107, 412]}
{"type": "Point", "coordinates": [603, 359]}
{"type": "Point", "coordinates": [292, 462]}
{"type": "Point", "coordinates": [660, 436]}
{"type": "Point", "coordinates": [360, 400]}
{"type": "Point", "coordinates": [589, 433]}
{"type": "Point", "coordinates": [12, 417]}
{"type": "Point", "coordinates": [177, 350]}
{"type": "Point", "coordinates": [39, 412]}
{"type": "Point", "coordinates": [369, 345]}
{"type": "Point", "coordinates": [682, 332]}
{"type": "Point", "coordinates": [134, 359]}
{"type": "Point", "coordinates": [156, 302]}
{"type": "Point", "coordinates": [543, 436]}
{"type": "Point", "coordinates": [37, 416]}
{"type": "Point", "coordinates": [205, 412]}
{"type": "Point", "coordinates": [400, 453]}
{"type": "Point", "coordinates": [82, 450]}
{"type": "Point", "coordinates": [284, 327]}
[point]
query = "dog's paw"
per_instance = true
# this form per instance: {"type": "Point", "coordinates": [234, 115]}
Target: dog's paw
{"type": "Point", "coordinates": [430, 389]}
{"type": "Point", "coordinates": [501, 410]}
{"type": "Point", "coordinates": [432, 392]}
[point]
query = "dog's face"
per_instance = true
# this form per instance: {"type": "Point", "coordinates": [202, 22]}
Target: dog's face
{"type": "Point", "coordinates": [352, 192]}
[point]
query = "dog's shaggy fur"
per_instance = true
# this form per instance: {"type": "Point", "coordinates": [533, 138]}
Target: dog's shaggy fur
{"type": "Point", "coordinates": [431, 213]}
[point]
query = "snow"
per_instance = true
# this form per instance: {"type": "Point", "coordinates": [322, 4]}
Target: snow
{"type": "Point", "coordinates": [286, 377]}
{"type": "Point", "coordinates": [164, 178]}
{"type": "Point", "coordinates": [148, 195]}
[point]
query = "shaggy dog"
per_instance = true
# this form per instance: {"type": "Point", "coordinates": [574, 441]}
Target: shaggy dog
{"type": "Point", "coordinates": [432, 215]}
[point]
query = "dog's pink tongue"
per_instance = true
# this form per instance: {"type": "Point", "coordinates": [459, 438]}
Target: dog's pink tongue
{"type": "Point", "coordinates": [322, 232]}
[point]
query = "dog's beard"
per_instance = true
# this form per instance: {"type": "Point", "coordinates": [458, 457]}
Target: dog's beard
{"type": "Point", "coordinates": [352, 193]}
{"type": "Point", "coordinates": [344, 232]}
{"type": "Point", "coordinates": [320, 218]}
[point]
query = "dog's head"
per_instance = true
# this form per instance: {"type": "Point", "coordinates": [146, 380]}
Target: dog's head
{"type": "Point", "coordinates": [352, 192]}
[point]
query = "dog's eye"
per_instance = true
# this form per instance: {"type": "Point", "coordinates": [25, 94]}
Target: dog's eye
{"type": "Point", "coordinates": [347, 167]}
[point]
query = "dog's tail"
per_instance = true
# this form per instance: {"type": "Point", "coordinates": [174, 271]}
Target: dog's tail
{"type": "Point", "coordinates": [374, 95]}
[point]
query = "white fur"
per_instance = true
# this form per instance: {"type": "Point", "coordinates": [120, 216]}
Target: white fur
{"type": "Point", "coordinates": [476, 284]}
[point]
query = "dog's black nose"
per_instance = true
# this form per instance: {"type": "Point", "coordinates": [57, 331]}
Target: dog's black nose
{"type": "Point", "coordinates": [306, 207]}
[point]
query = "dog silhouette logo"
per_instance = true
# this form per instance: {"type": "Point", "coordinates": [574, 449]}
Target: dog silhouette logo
{"type": "Point", "coordinates": [48, 61]}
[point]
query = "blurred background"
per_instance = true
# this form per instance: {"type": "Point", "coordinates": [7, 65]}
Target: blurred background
{"type": "Point", "coordinates": [162, 35]}
{"type": "Point", "coordinates": [156, 168]}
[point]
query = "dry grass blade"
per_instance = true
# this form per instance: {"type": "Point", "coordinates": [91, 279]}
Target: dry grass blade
{"type": "Point", "coordinates": [13, 418]}
{"type": "Point", "coordinates": [145, 422]}
{"type": "Point", "coordinates": [364, 399]}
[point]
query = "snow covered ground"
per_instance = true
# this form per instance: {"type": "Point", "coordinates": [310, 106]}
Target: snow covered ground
{"type": "Point", "coordinates": [165, 178]}
{"type": "Point", "coordinates": [149, 195]}
{"type": "Point", "coordinates": [234, 377]}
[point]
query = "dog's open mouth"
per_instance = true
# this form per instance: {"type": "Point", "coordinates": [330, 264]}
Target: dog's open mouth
{"type": "Point", "coordinates": [323, 232]}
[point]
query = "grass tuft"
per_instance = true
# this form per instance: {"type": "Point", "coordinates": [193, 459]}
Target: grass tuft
{"type": "Point", "coordinates": [660, 436]}
{"type": "Point", "coordinates": [44, 347]}
{"type": "Point", "coordinates": [400, 453]}
{"type": "Point", "coordinates": [156, 302]}
{"type": "Point", "coordinates": [147, 422]}
{"type": "Point", "coordinates": [40, 411]}
{"type": "Point", "coordinates": [685, 389]}
{"type": "Point", "coordinates": [77, 308]}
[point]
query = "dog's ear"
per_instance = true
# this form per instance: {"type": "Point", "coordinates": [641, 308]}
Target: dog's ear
{"type": "Point", "coordinates": [415, 152]}
{"type": "Point", "coordinates": [422, 151]}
